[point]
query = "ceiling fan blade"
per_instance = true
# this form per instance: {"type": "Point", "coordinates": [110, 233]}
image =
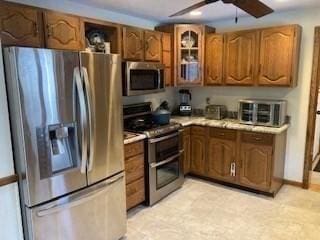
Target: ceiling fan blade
{"type": "Point", "coordinates": [193, 7]}
{"type": "Point", "coordinates": [253, 7]}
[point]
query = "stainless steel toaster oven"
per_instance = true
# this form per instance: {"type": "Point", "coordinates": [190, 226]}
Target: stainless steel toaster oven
{"type": "Point", "coordinates": [270, 113]}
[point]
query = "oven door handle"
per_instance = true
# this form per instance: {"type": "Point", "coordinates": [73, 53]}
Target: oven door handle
{"type": "Point", "coordinates": [155, 140]}
{"type": "Point", "coordinates": [154, 165]}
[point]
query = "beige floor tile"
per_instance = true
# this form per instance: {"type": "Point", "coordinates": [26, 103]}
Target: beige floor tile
{"type": "Point", "coordinates": [202, 210]}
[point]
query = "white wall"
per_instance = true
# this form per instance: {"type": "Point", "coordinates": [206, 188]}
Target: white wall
{"type": "Point", "coordinates": [298, 98]}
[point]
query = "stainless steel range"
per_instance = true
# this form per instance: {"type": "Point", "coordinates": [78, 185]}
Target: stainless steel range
{"type": "Point", "coordinates": [164, 151]}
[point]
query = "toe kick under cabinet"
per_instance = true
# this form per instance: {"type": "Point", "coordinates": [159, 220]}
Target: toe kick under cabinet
{"type": "Point", "coordinates": [247, 159]}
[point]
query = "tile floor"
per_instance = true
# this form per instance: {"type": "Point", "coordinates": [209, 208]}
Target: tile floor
{"type": "Point", "coordinates": [206, 211]}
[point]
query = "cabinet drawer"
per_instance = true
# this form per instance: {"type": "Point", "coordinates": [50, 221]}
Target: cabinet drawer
{"type": "Point", "coordinates": [257, 138]}
{"type": "Point", "coordinates": [135, 193]}
{"type": "Point", "coordinates": [134, 168]}
{"type": "Point", "coordinates": [223, 133]}
{"type": "Point", "coordinates": [133, 149]}
{"type": "Point", "coordinates": [198, 130]}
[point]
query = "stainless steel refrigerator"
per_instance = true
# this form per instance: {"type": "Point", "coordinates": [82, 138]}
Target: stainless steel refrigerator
{"type": "Point", "coordinates": [66, 120]}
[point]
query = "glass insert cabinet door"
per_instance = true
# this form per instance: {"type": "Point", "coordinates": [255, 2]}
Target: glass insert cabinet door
{"type": "Point", "coordinates": [190, 55]}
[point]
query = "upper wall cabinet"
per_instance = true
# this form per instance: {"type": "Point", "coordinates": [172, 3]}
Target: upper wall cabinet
{"type": "Point", "coordinates": [167, 58]}
{"type": "Point", "coordinates": [140, 45]}
{"type": "Point", "coordinates": [279, 56]}
{"type": "Point", "coordinates": [188, 45]}
{"type": "Point", "coordinates": [63, 31]}
{"type": "Point", "coordinates": [214, 59]}
{"type": "Point", "coordinates": [20, 25]}
{"type": "Point", "coordinates": [132, 43]}
{"type": "Point", "coordinates": [240, 57]}
{"type": "Point", "coordinates": [152, 46]}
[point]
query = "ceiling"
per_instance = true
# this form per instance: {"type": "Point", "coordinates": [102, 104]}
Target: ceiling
{"type": "Point", "coordinates": [159, 10]}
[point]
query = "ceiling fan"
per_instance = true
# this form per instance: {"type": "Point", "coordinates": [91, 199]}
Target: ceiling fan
{"type": "Point", "coordinates": [252, 7]}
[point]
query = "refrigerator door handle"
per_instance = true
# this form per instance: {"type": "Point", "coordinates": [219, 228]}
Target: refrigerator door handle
{"type": "Point", "coordinates": [91, 116]}
{"type": "Point", "coordinates": [80, 199]}
{"type": "Point", "coordinates": [83, 119]}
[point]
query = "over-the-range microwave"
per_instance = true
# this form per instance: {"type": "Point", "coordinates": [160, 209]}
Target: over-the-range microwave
{"type": "Point", "coordinates": [142, 78]}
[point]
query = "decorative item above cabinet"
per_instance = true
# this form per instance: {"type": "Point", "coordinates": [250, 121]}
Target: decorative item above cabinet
{"type": "Point", "coordinates": [189, 46]}
{"type": "Point", "coordinates": [141, 45]}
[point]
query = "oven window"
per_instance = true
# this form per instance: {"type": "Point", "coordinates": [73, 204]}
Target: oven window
{"type": "Point", "coordinates": [167, 148]}
{"type": "Point", "coordinates": [144, 79]}
{"type": "Point", "coordinates": [167, 173]}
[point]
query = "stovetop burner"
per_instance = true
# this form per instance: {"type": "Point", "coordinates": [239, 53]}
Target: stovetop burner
{"type": "Point", "coordinates": [138, 118]}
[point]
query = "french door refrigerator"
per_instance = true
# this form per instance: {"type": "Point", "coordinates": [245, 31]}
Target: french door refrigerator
{"type": "Point", "coordinates": [66, 116]}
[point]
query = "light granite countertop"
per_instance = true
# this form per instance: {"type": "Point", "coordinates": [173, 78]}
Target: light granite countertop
{"type": "Point", "coordinates": [130, 137]}
{"type": "Point", "coordinates": [227, 123]}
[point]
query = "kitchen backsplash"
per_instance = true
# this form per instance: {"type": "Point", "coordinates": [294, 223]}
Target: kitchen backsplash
{"type": "Point", "coordinates": [170, 95]}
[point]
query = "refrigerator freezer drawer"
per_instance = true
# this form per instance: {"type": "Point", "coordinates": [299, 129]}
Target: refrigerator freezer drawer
{"type": "Point", "coordinates": [98, 212]}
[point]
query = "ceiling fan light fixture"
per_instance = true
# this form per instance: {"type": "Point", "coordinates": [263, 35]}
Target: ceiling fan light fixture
{"type": "Point", "coordinates": [195, 13]}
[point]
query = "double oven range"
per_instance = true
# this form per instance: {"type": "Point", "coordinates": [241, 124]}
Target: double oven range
{"type": "Point", "coordinates": [163, 160]}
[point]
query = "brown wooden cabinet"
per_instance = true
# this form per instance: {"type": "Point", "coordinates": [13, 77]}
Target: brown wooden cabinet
{"type": "Point", "coordinates": [186, 139]}
{"type": "Point", "coordinates": [198, 150]}
{"type": "Point", "coordinates": [167, 58]}
{"type": "Point", "coordinates": [221, 154]}
{"type": "Point", "coordinates": [141, 45]}
{"type": "Point", "coordinates": [240, 57]}
{"type": "Point", "coordinates": [214, 59]}
{"type": "Point", "coordinates": [63, 31]}
{"type": "Point", "coordinates": [134, 169]}
{"type": "Point", "coordinates": [247, 159]}
{"type": "Point", "coordinates": [133, 43]}
{"type": "Point", "coordinates": [153, 47]}
{"type": "Point", "coordinates": [255, 163]}
{"type": "Point", "coordinates": [20, 25]}
{"type": "Point", "coordinates": [279, 53]}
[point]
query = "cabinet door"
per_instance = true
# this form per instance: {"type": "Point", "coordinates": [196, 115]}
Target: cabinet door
{"type": "Point", "coordinates": [221, 158]}
{"type": "Point", "coordinates": [240, 57]}
{"type": "Point", "coordinates": [63, 31]}
{"type": "Point", "coordinates": [214, 59]}
{"type": "Point", "coordinates": [186, 155]}
{"type": "Point", "coordinates": [20, 25]}
{"type": "Point", "coordinates": [133, 46]}
{"type": "Point", "coordinates": [167, 58]}
{"type": "Point", "coordinates": [276, 56]}
{"type": "Point", "coordinates": [197, 154]}
{"type": "Point", "coordinates": [256, 162]}
{"type": "Point", "coordinates": [189, 62]}
{"type": "Point", "coordinates": [152, 46]}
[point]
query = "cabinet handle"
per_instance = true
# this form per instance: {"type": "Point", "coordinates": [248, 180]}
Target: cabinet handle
{"type": "Point", "coordinates": [49, 31]}
{"type": "Point", "coordinates": [35, 29]}
{"type": "Point", "coordinates": [146, 45]}
{"type": "Point", "coordinates": [257, 138]}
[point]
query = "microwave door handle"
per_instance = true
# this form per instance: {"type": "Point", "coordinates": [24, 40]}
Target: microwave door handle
{"type": "Point", "coordinates": [159, 78]}
{"type": "Point", "coordinates": [90, 115]}
{"type": "Point", "coordinates": [83, 119]}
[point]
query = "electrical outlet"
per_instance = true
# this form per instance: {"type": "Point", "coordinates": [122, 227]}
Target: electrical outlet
{"type": "Point", "coordinates": [208, 100]}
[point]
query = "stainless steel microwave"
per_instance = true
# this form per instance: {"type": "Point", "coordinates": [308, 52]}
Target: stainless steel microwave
{"type": "Point", "coordinates": [270, 113]}
{"type": "Point", "coordinates": [141, 78]}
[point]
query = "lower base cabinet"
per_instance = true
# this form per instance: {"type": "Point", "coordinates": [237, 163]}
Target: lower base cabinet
{"type": "Point", "coordinates": [134, 169]}
{"type": "Point", "coordinates": [248, 159]}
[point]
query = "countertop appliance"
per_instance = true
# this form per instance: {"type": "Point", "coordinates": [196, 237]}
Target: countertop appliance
{"type": "Point", "coordinates": [141, 78]}
{"type": "Point", "coordinates": [216, 112]}
{"type": "Point", "coordinates": [164, 172]}
{"type": "Point", "coordinates": [66, 116]}
{"type": "Point", "coordinates": [270, 113]}
{"type": "Point", "coordinates": [185, 108]}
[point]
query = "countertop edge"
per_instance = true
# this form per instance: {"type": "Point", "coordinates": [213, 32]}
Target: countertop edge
{"type": "Point", "coordinates": [137, 138]}
{"type": "Point", "coordinates": [229, 125]}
